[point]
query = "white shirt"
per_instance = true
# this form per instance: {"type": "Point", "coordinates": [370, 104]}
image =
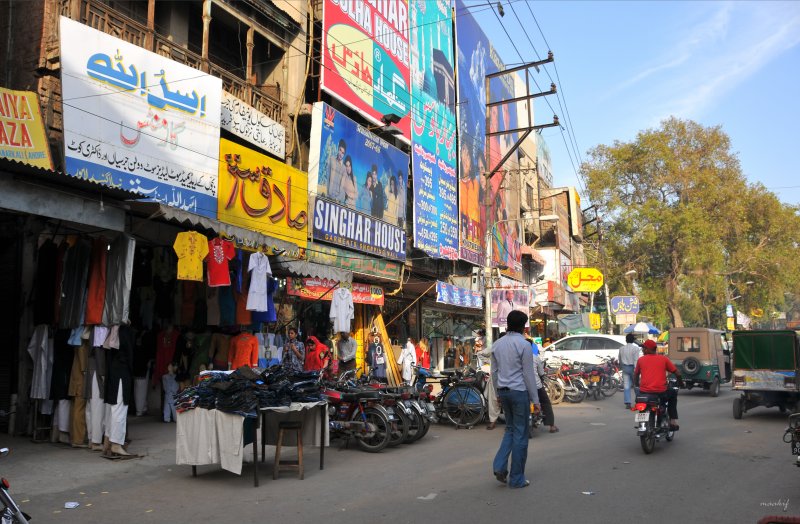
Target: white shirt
{"type": "Point", "coordinates": [342, 310]}
{"type": "Point", "coordinates": [629, 354]}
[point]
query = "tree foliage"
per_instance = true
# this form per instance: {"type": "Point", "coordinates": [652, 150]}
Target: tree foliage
{"type": "Point", "coordinates": [678, 210]}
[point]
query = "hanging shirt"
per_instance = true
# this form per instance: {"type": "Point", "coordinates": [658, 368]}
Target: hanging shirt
{"type": "Point", "coordinates": [219, 253]}
{"type": "Point", "coordinates": [243, 351]}
{"type": "Point", "coordinates": [191, 248]}
{"type": "Point", "coordinates": [260, 270]}
{"type": "Point", "coordinates": [166, 342]}
{"type": "Point", "coordinates": [376, 356]}
{"type": "Point", "coordinates": [342, 310]}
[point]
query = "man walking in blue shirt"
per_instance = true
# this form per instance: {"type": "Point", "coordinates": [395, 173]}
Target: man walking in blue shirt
{"type": "Point", "coordinates": [514, 380]}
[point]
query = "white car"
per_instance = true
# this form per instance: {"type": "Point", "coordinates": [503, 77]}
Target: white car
{"type": "Point", "coordinates": [586, 348]}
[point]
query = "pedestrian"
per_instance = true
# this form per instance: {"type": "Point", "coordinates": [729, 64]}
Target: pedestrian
{"type": "Point", "coordinates": [423, 352]}
{"type": "Point", "coordinates": [515, 381]}
{"type": "Point", "coordinates": [544, 398]}
{"type": "Point", "coordinates": [484, 355]}
{"type": "Point", "coordinates": [346, 348]}
{"type": "Point", "coordinates": [628, 355]}
{"type": "Point", "coordinates": [294, 353]}
{"type": "Point", "coordinates": [170, 386]}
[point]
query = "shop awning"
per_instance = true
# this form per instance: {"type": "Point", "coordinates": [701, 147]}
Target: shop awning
{"type": "Point", "coordinates": [242, 236]}
{"type": "Point", "coordinates": [310, 269]}
{"type": "Point", "coordinates": [530, 252]}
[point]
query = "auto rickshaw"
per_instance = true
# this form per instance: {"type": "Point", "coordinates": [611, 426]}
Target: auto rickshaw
{"type": "Point", "coordinates": [701, 357]}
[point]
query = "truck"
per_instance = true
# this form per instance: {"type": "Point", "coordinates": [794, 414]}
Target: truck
{"type": "Point", "coordinates": [765, 370]}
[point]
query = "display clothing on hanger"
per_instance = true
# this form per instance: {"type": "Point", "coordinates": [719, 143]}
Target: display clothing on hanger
{"type": "Point", "coordinates": [77, 378]}
{"type": "Point", "coordinates": [260, 270]}
{"type": "Point", "coordinates": [243, 316]}
{"type": "Point", "coordinates": [191, 248]}
{"type": "Point", "coordinates": [227, 306]}
{"type": "Point", "coordinates": [212, 307]}
{"type": "Point", "coordinates": [118, 280]}
{"type": "Point", "coordinates": [96, 294]}
{"type": "Point", "coordinates": [73, 284]}
{"type": "Point", "coordinates": [407, 359]}
{"type": "Point", "coordinates": [220, 251]}
{"type": "Point", "coordinates": [44, 305]}
{"type": "Point", "coordinates": [376, 358]}
{"type": "Point", "coordinates": [342, 310]}
{"type": "Point", "coordinates": [243, 351]}
{"type": "Point", "coordinates": [40, 348]}
{"type": "Point", "coordinates": [166, 343]}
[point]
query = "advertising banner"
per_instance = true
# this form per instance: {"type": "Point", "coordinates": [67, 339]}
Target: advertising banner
{"type": "Point", "coordinates": [139, 121]}
{"type": "Point", "coordinates": [433, 129]}
{"type": "Point", "coordinates": [365, 57]}
{"type": "Point", "coordinates": [252, 125]}
{"type": "Point", "coordinates": [262, 194]}
{"type": "Point", "coordinates": [360, 182]}
{"type": "Point", "coordinates": [458, 296]}
{"type": "Point", "coordinates": [359, 264]}
{"type": "Point", "coordinates": [624, 305]}
{"type": "Point", "coordinates": [22, 136]}
{"type": "Point", "coordinates": [479, 154]}
{"type": "Point", "coordinates": [506, 300]}
{"type": "Point", "coordinates": [322, 289]}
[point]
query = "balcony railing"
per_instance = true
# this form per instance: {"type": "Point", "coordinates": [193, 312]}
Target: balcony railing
{"type": "Point", "coordinates": [100, 16]}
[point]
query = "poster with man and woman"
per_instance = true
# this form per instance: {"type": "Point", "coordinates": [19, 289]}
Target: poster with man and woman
{"type": "Point", "coordinates": [360, 182]}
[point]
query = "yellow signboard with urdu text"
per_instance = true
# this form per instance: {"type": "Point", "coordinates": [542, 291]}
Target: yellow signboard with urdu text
{"type": "Point", "coordinates": [262, 194]}
{"type": "Point", "coordinates": [585, 279]}
{"type": "Point", "coordinates": [22, 136]}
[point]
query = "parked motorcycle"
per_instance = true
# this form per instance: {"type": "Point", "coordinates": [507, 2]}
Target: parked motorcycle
{"type": "Point", "coordinates": [11, 513]}
{"type": "Point", "coordinates": [652, 420]}
{"type": "Point", "coordinates": [792, 436]}
{"type": "Point", "coordinates": [358, 415]}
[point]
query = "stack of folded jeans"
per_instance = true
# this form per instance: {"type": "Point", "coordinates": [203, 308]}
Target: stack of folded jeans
{"type": "Point", "coordinates": [244, 391]}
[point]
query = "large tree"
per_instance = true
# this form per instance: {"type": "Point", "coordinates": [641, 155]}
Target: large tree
{"type": "Point", "coordinates": [678, 210]}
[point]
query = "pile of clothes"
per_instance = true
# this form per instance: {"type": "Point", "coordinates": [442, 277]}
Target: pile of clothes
{"type": "Point", "coordinates": [245, 390]}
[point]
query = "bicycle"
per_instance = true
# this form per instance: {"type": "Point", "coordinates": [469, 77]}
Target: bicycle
{"type": "Point", "coordinates": [461, 400]}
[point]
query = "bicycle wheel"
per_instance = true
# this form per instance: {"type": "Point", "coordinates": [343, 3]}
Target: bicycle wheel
{"type": "Point", "coordinates": [464, 405]}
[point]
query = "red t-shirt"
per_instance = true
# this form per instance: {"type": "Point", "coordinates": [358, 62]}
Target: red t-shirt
{"type": "Point", "coordinates": [219, 252]}
{"type": "Point", "coordinates": [653, 369]}
{"type": "Point", "coordinates": [243, 351]}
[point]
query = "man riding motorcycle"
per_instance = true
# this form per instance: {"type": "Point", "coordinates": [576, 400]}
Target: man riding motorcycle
{"type": "Point", "coordinates": [652, 369]}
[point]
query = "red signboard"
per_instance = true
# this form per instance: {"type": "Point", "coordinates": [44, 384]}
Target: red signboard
{"type": "Point", "coordinates": [365, 57]}
{"type": "Point", "coordinates": [323, 288]}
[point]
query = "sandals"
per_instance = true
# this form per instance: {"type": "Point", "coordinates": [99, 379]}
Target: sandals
{"type": "Point", "coordinates": [491, 425]}
{"type": "Point", "coordinates": [554, 429]}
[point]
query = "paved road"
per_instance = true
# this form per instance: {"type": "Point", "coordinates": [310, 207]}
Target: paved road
{"type": "Point", "coordinates": [716, 470]}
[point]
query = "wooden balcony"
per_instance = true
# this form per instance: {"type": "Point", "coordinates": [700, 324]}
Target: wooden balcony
{"type": "Point", "coordinates": [100, 16]}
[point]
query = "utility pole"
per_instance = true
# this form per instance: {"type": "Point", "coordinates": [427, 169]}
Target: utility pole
{"type": "Point", "coordinates": [524, 131]}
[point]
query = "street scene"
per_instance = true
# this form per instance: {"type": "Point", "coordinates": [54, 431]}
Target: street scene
{"type": "Point", "coordinates": [395, 260]}
{"type": "Point", "coordinates": [716, 470]}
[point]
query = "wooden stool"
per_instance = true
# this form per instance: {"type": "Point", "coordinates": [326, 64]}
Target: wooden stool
{"type": "Point", "coordinates": [297, 427]}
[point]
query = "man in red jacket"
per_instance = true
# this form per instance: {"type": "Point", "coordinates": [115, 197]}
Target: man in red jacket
{"type": "Point", "coordinates": [650, 375]}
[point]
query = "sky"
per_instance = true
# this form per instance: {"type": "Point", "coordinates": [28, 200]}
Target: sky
{"type": "Point", "coordinates": [623, 67]}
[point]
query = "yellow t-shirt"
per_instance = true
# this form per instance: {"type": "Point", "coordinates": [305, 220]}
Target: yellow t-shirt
{"type": "Point", "coordinates": [191, 248]}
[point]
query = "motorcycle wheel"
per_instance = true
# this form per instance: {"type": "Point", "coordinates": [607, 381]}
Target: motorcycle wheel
{"type": "Point", "coordinates": [414, 425]}
{"type": "Point", "coordinates": [555, 392]}
{"type": "Point", "coordinates": [376, 437]}
{"type": "Point", "coordinates": [399, 427]}
{"type": "Point", "coordinates": [464, 406]}
{"type": "Point", "coordinates": [609, 387]}
{"type": "Point", "coordinates": [575, 396]}
{"type": "Point", "coordinates": [648, 441]}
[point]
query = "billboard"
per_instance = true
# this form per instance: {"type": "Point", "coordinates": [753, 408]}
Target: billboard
{"type": "Point", "coordinates": [458, 296]}
{"type": "Point", "coordinates": [262, 194]}
{"type": "Point", "coordinates": [322, 289]}
{"type": "Point", "coordinates": [479, 154]}
{"type": "Point", "coordinates": [22, 136]}
{"type": "Point", "coordinates": [433, 129]}
{"type": "Point", "coordinates": [365, 57]}
{"type": "Point", "coordinates": [506, 300]}
{"type": "Point", "coordinates": [252, 125]}
{"type": "Point", "coordinates": [139, 121]}
{"type": "Point", "coordinates": [360, 182]}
